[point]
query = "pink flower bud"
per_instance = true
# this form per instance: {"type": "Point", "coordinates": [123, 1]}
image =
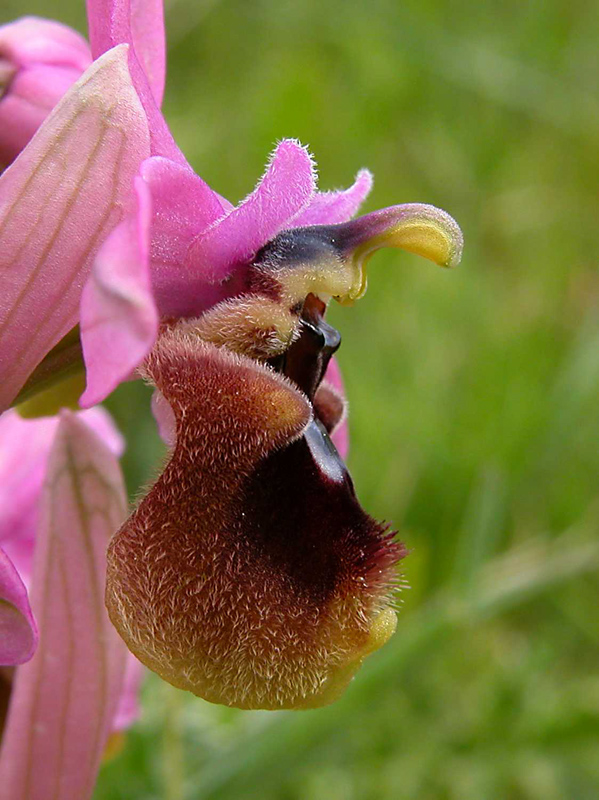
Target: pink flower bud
{"type": "Point", "coordinates": [39, 61]}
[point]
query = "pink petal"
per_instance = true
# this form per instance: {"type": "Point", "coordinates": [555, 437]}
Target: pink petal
{"type": "Point", "coordinates": [328, 208]}
{"type": "Point", "coordinates": [119, 320]}
{"type": "Point", "coordinates": [340, 435]}
{"type": "Point", "coordinates": [18, 631]}
{"type": "Point", "coordinates": [58, 202]}
{"type": "Point", "coordinates": [33, 40]}
{"type": "Point", "coordinates": [128, 707]}
{"type": "Point", "coordinates": [183, 205]}
{"type": "Point", "coordinates": [286, 188]}
{"type": "Point", "coordinates": [140, 24]}
{"type": "Point", "coordinates": [64, 699]}
{"type": "Point", "coordinates": [165, 418]}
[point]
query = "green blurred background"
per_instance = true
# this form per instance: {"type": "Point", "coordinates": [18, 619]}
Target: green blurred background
{"type": "Point", "coordinates": [474, 394]}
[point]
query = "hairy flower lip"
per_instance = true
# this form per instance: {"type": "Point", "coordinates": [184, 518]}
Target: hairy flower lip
{"type": "Point", "coordinates": [249, 574]}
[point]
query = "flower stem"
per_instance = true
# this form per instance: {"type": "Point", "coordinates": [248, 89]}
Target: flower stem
{"type": "Point", "coordinates": [172, 746]}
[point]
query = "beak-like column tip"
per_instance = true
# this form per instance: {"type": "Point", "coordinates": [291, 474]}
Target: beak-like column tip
{"type": "Point", "coordinates": [428, 232]}
{"type": "Point", "coordinates": [421, 229]}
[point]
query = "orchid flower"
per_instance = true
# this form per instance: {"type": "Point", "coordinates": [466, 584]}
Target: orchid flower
{"type": "Point", "coordinates": [39, 61]}
{"type": "Point", "coordinates": [61, 495]}
{"type": "Point", "coordinates": [249, 574]}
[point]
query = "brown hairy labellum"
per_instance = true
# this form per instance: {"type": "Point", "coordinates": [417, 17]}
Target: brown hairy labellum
{"type": "Point", "coordinates": [249, 574]}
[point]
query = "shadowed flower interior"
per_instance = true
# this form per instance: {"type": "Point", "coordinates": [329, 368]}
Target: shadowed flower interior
{"type": "Point", "coordinates": [249, 574]}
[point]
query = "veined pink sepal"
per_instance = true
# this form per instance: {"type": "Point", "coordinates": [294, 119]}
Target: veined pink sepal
{"type": "Point", "coordinates": [58, 202]}
{"type": "Point", "coordinates": [64, 699]}
{"type": "Point", "coordinates": [25, 447]}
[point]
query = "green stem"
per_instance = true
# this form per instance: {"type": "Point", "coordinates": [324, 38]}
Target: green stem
{"type": "Point", "coordinates": [64, 360]}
